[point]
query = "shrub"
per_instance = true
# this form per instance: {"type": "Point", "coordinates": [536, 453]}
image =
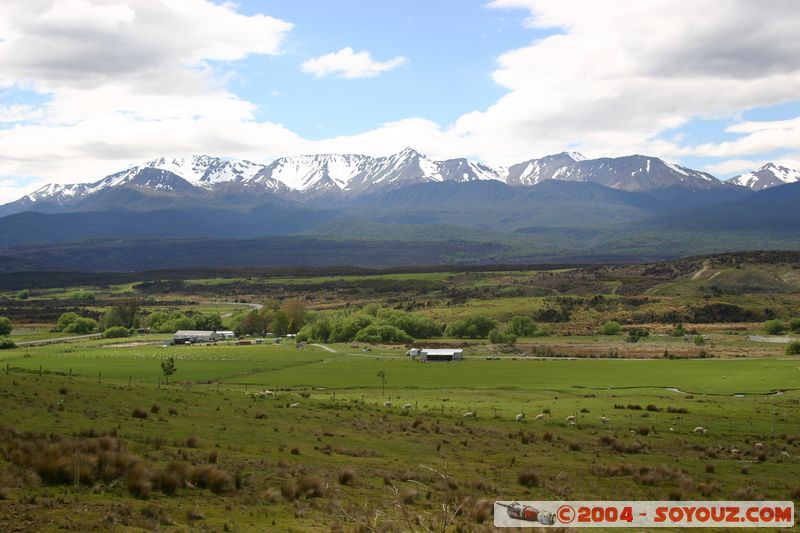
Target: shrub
{"type": "Point", "coordinates": [610, 328]}
{"type": "Point", "coordinates": [699, 340]}
{"type": "Point", "coordinates": [793, 348]}
{"type": "Point", "coordinates": [24, 294]}
{"type": "Point", "coordinates": [347, 476]}
{"type": "Point", "coordinates": [794, 325]}
{"type": "Point", "coordinates": [81, 326]}
{"type": "Point", "coordinates": [6, 344]}
{"type": "Point", "coordinates": [474, 327]}
{"type": "Point", "coordinates": [522, 326]}
{"type": "Point", "coordinates": [116, 332]}
{"type": "Point", "coordinates": [498, 337]}
{"type": "Point", "coordinates": [5, 326]}
{"type": "Point", "coordinates": [528, 478]}
{"type": "Point", "coordinates": [774, 327]}
{"type": "Point", "coordinates": [636, 334]}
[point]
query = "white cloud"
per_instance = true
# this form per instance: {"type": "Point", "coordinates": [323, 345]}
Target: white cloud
{"type": "Point", "coordinates": [732, 167]}
{"type": "Point", "coordinates": [129, 80]}
{"type": "Point", "coordinates": [347, 63]}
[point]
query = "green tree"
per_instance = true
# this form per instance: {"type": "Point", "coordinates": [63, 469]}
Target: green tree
{"type": "Point", "coordinates": [280, 324]}
{"type": "Point", "coordinates": [377, 333]}
{"type": "Point", "coordinates": [65, 320]}
{"type": "Point", "coordinates": [611, 327]}
{"type": "Point", "coordinates": [774, 327]}
{"type": "Point", "coordinates": [295, 310]}
{"type": "Point", "coordinates": [24, 294]}
{"type": "Point", "coordinates": [498, 337]}
{"type": "Point", "coordinates": [522, 326]}
{"type": "Point", "coordinates": [794, 325]}
{"type": "Point", "coordinates": [636, 334]}
{"type": "Point", "coordinates": [5, 326]}
{"type": "Point", "coordinates": [168, 367]}
{"type": "Point", "coordinates": [81, 326]}
{"type": "Point", "coordinates": [116, 332]}
{"type": "Point", "coordinates": [474, 327]}
{"type": "Point", "coordinates": [125, 314]}
{"type": "Point", "coordinates": [793, 348]}
{"type": "Point", "coordinates": [207, 321]}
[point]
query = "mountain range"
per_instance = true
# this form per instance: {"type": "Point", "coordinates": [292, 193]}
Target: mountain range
{"type": "Point", "coordinates": [344, 176]}
{"type": "Point", "coordinates": [546, 209]}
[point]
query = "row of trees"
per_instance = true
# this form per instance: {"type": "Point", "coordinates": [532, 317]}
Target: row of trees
{"type": "Point", "coordinates": [369, 324]}
{"type": "Point", "coordinates": [281, 318]}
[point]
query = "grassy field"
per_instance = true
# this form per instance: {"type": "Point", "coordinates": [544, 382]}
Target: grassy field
{"type": "Point", "coordinates": [341, 429]}
{"type": "Point", "coordinates": [93, 438]}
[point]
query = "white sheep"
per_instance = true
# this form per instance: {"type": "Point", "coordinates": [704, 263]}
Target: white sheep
{"type": "Point", "coordinates": [407, 406]}
{"type": "Point", "coordinates": [672, 429]}
{"type": "Point", "coordinates": [759, 446]}
{"type": "Point", "coordinates": [387, 404]}
{"type": "Point", "coordinates": [267, 393]}
{"type": "Point", "coordinates": [785, 454]}
{"type": "Point", "coordinates": [605, 420]}
{"type": "Point", "coordinates": [734, 451]}
{"type": "Point", "coordinates": [700, 429]}
{"type": "Point", "coordinates": [469, 414]}
{"type": "Point", "coordinates": [520, 417]}
{"type": "Point", "coordinates": [570, 419]}
{"type": "Point", "coordinates": [294, 405]}
{"type": "Point", "coordinates": [540, 416]}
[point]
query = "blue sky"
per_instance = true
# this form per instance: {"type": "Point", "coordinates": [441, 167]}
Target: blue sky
{"type": "Point", "coordinates": [89, 87]}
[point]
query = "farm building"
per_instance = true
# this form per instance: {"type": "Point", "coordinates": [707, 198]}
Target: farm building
{"type": "Point", "coordinates": [426, 355]}
{"type": "Point", "coordinates": [226, 335]}
{"type": "Point", "coordinates": [191, 336]}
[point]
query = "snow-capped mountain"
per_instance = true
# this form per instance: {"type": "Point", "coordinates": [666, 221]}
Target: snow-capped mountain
{"type": "Point", "coordinates": [308, 176]}
{"type": "Point", "coordinates": [630, 173]}
{"type": "Point", "coordinates": [770, 175]}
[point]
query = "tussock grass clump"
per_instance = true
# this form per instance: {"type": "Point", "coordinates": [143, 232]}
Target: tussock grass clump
{"type": "Point", "coordinates": [748, 493]}
{"type": "Point", "coordinates": [290, 489]}
{"type": "Point", "coordinates": [612, 471]}
{"type": "Point", "coordinates": [643, 431]}
{"type": "Point", "coordinates": [139, 413]}
{"type": "Point", "coordinates": [574, 446]}
{"type": "Point", "coordinates": [408, 496]}
{"type": "Point", "coordinates": [710, 469]}
{"type": "Point", "coordinates": [192, 442]}
{"type": "Point", "coordinates": [482, 511]}
{"type": "Point", "coordinates": [155, 409]}
{"type": "Point", "coordinates": [211, 477]}
{"type": "Point", "coordinates": [347, 476]}
{"type": "Point", "coordinates": [173, 411]}
{"type": "Point", "coordinates": [170, 478]}
{"type": "Point", "coordinates": [653, 408]}
{"type": "Point", "coordinates": [547, 437]}
{"type": "Point", "coordinates": [795, 495]}
{"type": "Point", "coordinates": [260, 415]}
{"type": "Point", "coordinates": [678, 410]}
{"type": "Point", "coordinates": [620, 445]}
{"type": "Point", "coordinates": [63, 461]}
{"type": "Point", "coordinates": [138, 481]}
{"type": "Point", "coordinates": [707, 489]}
{"type": "Point", "coordinates": [212, 457]}
{"type": "Point", "coordinates": [528, 478]}
{"type": "Point", "coordinates": [311, 486]}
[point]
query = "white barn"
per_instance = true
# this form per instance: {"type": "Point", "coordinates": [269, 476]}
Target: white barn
{"type": "Point", "coordinates": [447, 354]}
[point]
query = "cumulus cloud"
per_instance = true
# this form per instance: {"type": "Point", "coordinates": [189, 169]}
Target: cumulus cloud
{"type": "Point", "coordinates": [347, 63]}
{"type": "Point", "coordinates": [128, 80]}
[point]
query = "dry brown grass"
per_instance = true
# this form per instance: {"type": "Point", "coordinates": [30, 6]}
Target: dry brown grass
{"type": "Point", "coordinates": [347, 476]}
{"type": "Point", "coordinates": [528, 478]}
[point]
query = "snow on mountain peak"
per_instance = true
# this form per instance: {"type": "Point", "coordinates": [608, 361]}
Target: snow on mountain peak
{"type": "Point", "coordinates": [768, 175]}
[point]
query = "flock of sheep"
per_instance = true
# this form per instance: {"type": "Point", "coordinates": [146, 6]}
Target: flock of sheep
{"type": "Point", "coordinates": [520, 417]}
